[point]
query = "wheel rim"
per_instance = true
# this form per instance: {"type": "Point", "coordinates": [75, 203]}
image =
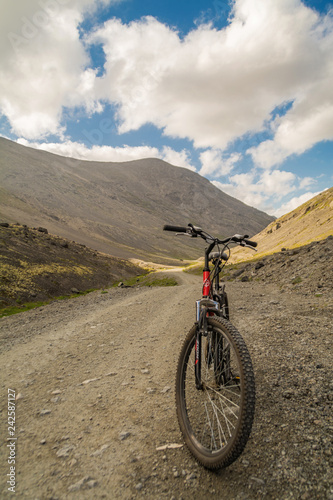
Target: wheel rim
{"type": "Point", "coordinates": [213, 414]}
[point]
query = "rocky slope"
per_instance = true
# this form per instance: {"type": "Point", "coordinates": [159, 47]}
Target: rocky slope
{"type": "Point", "coordinates": [36, 266]}
{"type": "Point", "coordinates": [308, 268]}
{"type": "Point", "coordinates": [117, 208]}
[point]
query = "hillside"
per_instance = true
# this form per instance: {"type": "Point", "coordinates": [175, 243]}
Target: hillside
{"type": "Point", "coordinates": [117, 208]}
{"type": "Point", "coordinates": [36, 266]}
{"type": "Point", "coordinates": [312, 221]}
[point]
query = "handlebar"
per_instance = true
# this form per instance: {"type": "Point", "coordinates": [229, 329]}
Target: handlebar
{"type": "Point", "coordinates": [194, 231]}
{"type": "Point", "coordinates": [250, 243]}
{"type": "Point", "coordinates": [176, 229]}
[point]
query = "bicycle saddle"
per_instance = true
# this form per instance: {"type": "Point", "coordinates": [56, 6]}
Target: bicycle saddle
{"type": "Point", "coordinates": [217, 255]}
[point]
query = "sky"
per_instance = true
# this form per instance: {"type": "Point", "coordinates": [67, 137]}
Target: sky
{"type": "Point", "coordinates": [240, 91]}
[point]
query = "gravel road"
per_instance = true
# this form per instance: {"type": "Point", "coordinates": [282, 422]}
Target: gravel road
{"type": "Point", "coordinates": [94, 385]}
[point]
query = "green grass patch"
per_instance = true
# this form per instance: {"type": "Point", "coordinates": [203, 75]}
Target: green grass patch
{"type": "Point", "coordinates": [196, 269]}
{"type": "Point", "coordinates": [297, 280]}
{"type": "Point", "coordinates": [27, 306]}
{"type": "Point", "coordinates": [10, 310]}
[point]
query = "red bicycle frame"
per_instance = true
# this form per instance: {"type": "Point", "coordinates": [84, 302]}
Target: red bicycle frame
{"type": "Point", "coordinates": [206, 284]}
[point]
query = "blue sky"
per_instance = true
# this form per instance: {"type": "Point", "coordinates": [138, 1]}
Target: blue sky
{"type": "Point", "coordinates": [240, 92]}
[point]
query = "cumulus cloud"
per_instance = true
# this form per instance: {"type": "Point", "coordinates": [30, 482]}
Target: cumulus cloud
{"type": "Point", "coordinates": [304, 126]}
{"type": "Point", "coordinates": [214, 86]}
{"type": "Point", "coordinates": [44, 65]}
{"type": "Point", "coordinates": [214, 163]}
{"type": "Point", "coordinates": [294, 203]}
{"type": "Point", "coordinates": [80, 151]}
{"type": "Point", "coordinates": [261, 188]}
{"type": "Point", "coordinates": [177, 158]}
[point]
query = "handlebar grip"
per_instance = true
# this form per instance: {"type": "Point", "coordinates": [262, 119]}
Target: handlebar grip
{"type": "Point", "coordinates": [251, 243]}
{"type": "Point", "coordinates": [176, 229]}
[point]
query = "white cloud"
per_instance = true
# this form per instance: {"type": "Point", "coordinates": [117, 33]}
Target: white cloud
{"type": "Point", "coordinates": [263, 190]}
{"type": "Point", "coordinates": [212, 87]}
{"type": "Point", "coordinates": [306, 182]}
{"type": "Point", "coordinates": [125, 153]}
{"type": "Point", "coordinates": [216, 85]}
{"type": "Point", "coordinates": [43, 65]}
{"type": "Point", "coordinates": [213, 162]}
{"type": "Point", "coordinates": [177, 158]}
{"type": "Point", "coordinates": [294, 203]}
{"type": "Point", "coordinates": [305, 125]}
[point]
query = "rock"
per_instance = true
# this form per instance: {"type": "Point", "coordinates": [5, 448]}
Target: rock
{"type": "Point", "coordinates": [124, 435]}
{"type": "Point", "coordinates": [259, 265]}
{"type": "Point", "coordinates": [91, 483]}
{"type": "Point", "coordinates": [74, 290]}
{"type": "Point", "coordinates": [191, 476]}
{"type": "Point", "coordinates": [4, 224]}
{"type": "Point", "coordinates": [43, 230]}
{"type": "Point", "coordinates": [44, 412]}
{"type": "Point", "coordinates": [171, 446]}
{"type": "Point", "coordinates": [257, 480]}
{"type": "Point", "coordinates": [238, 273]}
{"type": "Point", "coordinates": [99, 452]}
{"type": "Point", "coordinates": [85, 382]}
{"type": "Point", "coordinates": [64, 452]}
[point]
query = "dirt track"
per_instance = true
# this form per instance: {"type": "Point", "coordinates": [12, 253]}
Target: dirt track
{"type": "Point", "coordinates": [94, 382]}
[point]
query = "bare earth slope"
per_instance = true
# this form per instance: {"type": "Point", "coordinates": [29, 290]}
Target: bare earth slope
{"type": "Point", "coordinates": [117, 208]}
{"type": "Point", "coordinates": [94, 382]}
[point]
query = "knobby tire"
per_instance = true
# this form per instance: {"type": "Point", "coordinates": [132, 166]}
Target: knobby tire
{"type": "Point", "coordinates": [216, 421]}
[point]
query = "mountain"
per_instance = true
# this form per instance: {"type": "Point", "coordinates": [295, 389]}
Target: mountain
{"type": "Point", "coordinates": [312, 221]}
{"type": "Point", "coordinates": [117, 208]}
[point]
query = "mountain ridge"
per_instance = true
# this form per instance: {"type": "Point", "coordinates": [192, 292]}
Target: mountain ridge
{"type": "Point", "coordinates": [117, 208]}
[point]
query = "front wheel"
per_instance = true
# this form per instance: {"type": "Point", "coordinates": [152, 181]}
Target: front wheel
{"type": "Point", "coordinates": [216, 419]}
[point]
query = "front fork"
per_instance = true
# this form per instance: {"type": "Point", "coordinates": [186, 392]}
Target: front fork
{"type": "Point", "coordinates": [205, 308]}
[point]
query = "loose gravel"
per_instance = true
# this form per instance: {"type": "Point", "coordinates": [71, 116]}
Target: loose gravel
{"type": "Point", "coordinates": [95, 411]}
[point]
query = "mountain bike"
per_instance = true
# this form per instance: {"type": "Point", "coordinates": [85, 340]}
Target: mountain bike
{"type": "Point", "coordinates": [215, 387]}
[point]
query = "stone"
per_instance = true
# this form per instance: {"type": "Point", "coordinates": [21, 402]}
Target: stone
{"type": "Point", "coordinates": [44, 412]}
{"type": "Point", "coordinates": [64, 452]}
{"type": "Point", "coordinates": [124, 435]}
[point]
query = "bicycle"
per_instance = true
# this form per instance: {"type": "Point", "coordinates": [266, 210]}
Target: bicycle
{"type": "Point", "coordinates": [215, 387]}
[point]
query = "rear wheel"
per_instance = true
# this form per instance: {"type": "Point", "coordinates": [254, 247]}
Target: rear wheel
{"type": "Point", "coordinates": [216, 420]}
